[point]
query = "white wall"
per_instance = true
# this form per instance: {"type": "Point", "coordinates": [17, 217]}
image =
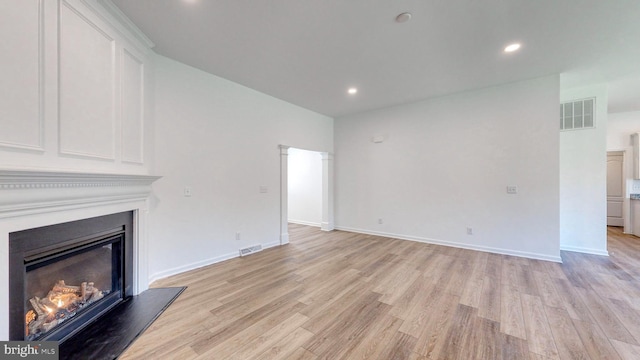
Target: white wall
{"type": "Point", "coordinates": [445, 163]}
{"type": "Point", "coordinates": [221, 140]}
{"type": "Point", "coordinates": [76, 90]}
{"type": "Point", "coordinates": [620, 126]}
{"type": "Point", "coordinates": [305, 187]}
{"type": "Point", "coordinates": [583, 178]}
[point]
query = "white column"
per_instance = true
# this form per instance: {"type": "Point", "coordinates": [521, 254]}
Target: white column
{"type": "Point", "coordinates": [284, 196]}
{"type": "Point", "coordinates": [327, 192]}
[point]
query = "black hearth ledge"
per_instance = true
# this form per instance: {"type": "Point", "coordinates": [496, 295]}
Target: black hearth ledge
{"type": "Point", "coordinates": [109, 336]}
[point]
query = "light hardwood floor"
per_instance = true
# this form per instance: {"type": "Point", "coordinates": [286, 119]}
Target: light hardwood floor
{"type": "Point", "coordinates": [340, 295]}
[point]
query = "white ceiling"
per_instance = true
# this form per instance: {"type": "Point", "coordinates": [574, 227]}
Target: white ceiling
{"type": "Point", "coordinates": [309, 52]}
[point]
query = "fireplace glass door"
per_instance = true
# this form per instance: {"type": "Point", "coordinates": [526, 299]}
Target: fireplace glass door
{"type": "Point", "coordinates": [63, 285]}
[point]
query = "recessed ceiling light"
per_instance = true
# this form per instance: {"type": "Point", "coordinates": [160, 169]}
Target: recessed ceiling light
{"type": "Point", "coordinates": [512, 47]}
{"type": "Point", "coordinates": [352, 90]}
{"type": "Point", "coordinates": [404, 17]}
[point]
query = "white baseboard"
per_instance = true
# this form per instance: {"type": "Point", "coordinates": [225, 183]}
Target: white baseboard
{"type": "Point", "coordinates": [284, 239]}
{"type": "Point", "coordinates": [270, 245]}
{"type": "Point", "coordinates": [523, 254]}
{"type": "Point", "coordinates": [192, 266]}
{"type": "Point", "coordinates": [303, 222]}
{"type": "Point", "coordinates": [585, 250]}
{"type": "Point", "coordinates": [198, 264]}
{"type": "Point", "coordinates": [325, 226]}
{"type": "Point", "coordinates": [180, 269]}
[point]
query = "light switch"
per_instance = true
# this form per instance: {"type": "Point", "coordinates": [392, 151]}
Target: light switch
{"type": "Point", "coordinates": [187, 191]}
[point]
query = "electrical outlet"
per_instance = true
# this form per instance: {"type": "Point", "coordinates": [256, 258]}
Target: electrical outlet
{"type": "Point", "coordinates": [264, 189]}
{"type": "Point", "coordinates": [380, 221]}
{"type": "Point", "coordinates": [512, 189]}
{"type": "Point", "coordinates": [237, 235]}
{"type": "Point", "coordinates": [187, 191]}
{"type": "Point", "coordinates": [469, 231]}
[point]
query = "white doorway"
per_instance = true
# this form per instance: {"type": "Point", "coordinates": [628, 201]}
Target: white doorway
{"type": "Point", "coordinates": [615, 188]}
{"type": "Point", "coordinates": [326, 223]}
{"type": "Point", "coordinates": [305, 187]}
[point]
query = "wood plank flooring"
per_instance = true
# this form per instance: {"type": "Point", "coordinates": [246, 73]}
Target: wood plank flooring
{"type": "Point", "coordinates": [339, 295]}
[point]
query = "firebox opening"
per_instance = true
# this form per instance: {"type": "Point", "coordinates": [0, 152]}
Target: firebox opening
{"type": "Point", "coordinates": [66, 276]}
{"type": "Point", "coordinates": [59, 286]}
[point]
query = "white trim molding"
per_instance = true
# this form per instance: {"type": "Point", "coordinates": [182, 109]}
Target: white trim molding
{"type": "Point", "coordinates": [120, 21]}
{"type": "Point", "coordinates": [38, 191]}
{"type": "Point", "coordinates": [488, 249]}
{"type": "Point", "coordinates": [50, 179]}
{"type": "Point", "coordinates": [39, 120]}
{"type": "Point", "coordinates": [327, 192]}
{"type": "Point", "coordinates": [199, 264]}
{"type": "Point", "coordinates": [284, 194]}
{"type": "Point", "coordinates": [306, 223]}
{"type": "Point", "coordinates": [585, 250]}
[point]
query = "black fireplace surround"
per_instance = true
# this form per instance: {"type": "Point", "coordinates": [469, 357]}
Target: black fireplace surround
{"type": "Point", "coordinates": [88, 263]}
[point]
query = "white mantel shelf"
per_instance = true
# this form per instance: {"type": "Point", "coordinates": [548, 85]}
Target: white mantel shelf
{"type": "Point", "coordinates": [24, 192]}
{"type": "Point", "coordinates": [21, 179]}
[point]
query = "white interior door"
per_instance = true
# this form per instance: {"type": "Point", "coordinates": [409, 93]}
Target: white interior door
{"type": "Point", "coordinates": [615, 188]}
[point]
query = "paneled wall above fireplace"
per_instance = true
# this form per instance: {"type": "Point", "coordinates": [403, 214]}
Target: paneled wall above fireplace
{"type": "Point", "coordinates": [77, 89]}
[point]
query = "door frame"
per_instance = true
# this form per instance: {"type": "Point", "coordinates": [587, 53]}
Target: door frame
{"type": "Point", "coordinates": [625, 213]}
{"type": "Point", "coordinates": [327, 192]}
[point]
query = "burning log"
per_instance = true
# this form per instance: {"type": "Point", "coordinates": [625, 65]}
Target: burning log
{"type": "Point", "coordinates": [92, 293]}
{"type": "Point", "coordinates": [61, 287]}
{"type": "Point", "coordinates": [36, 323]}
{"type": "Point", "coordinates": [61, 302]}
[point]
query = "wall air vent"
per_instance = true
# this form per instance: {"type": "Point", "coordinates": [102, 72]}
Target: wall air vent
{"type": "Point", "coordinates": [250, 250]}
{"type": "Point", "coordinates": [578, 115]}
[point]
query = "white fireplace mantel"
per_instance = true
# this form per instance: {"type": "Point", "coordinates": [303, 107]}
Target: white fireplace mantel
{"type": "Point", "coordinates": [30, 199]}
{"type": "Point", "coordinates": [31, 192]}
{"type": "Point", "coordinates": [22, 179]}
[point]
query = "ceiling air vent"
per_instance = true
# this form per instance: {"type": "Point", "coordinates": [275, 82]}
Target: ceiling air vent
{"type": "Point", "coordinates": [578, 115]}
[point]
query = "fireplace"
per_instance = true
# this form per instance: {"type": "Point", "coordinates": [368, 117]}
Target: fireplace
{"type": "Point", "coordinates": [77, 228]}
{"type": "Point", "coordinates": [63, 277]}
{"type": "Point", "coordinates": [35, 199]}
